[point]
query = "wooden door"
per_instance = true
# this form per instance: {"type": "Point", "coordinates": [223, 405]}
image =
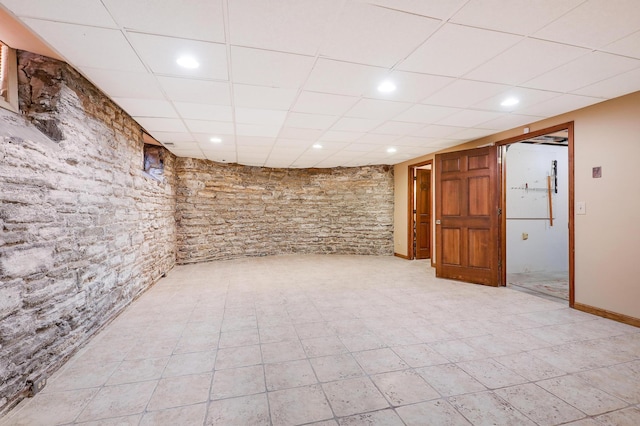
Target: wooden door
{"type": "Point", "coordinates": [423, 214]}
{"type": "Point", "coordinates": [467, 218]}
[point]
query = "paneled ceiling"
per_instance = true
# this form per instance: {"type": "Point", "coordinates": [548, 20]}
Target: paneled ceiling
{"type": "Point", "coordinates": [293, 83]}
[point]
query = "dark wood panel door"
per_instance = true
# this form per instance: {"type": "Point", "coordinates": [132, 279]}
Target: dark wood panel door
{"type": "Point", "coordinates": [467, 219]}
{"type": "Point", "coordinates": [423, 214]}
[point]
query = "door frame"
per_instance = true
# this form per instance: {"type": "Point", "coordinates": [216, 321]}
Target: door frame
{"type": "Point", "coordinates": [569, 127]}
{"type": "Point", "coordinates": [410, 222]}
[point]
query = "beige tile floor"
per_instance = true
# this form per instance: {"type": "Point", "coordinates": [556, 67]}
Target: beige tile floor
{"type": "Point", "coordinates": [340, 340]}
{"type": "Point", "coordinates": [552, 285]}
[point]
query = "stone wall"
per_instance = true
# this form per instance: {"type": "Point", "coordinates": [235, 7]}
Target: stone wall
{"type": "Point", "coordinates": [226, 211]}
{"type": "Point", "coordinates": [83, 230]}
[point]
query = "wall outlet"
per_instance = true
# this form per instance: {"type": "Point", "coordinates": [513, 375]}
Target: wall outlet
{"type": "Point", "coordinates": [36, 385]}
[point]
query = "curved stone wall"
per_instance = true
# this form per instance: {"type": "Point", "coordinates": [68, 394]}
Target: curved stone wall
{"type": "Point", "coordinates": [225, 211]}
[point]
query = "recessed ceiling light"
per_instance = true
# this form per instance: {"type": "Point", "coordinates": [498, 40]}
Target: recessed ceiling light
{"type": "Point", "coordinates": [391, 150]}
{"type": "Point", "coordinates": [215, 140]}
{"type": "Point", "coordinates": [510, 102]}
{"type": "Point", "coordinates": [188, 62]}
{"type": "Point", "coordinates": [386, 86]}
{"type": "Point", "coordinates": [317, 146]}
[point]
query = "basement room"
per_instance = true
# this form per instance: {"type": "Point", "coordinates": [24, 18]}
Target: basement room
{"type": "Point", "coordinates": [329, 213]}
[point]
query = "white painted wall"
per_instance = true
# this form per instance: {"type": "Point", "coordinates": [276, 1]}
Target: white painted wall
{"type": "Point", "coordinates": [527, 210]}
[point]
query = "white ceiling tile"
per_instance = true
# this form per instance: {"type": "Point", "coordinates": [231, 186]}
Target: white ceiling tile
{"type": "Point", "coordinates": [291, 145]}
{"type": "Point", "coordinates": [207, 146]}
{"type": "Point", "coordinates": [78, 44]}
{"type": "Point", "coordinates": [221, 157]}
{"type": "Point", "coordinates": [288, 153]}
{"type": "Point", "coordinates": [256, 142]}
{"type": "Point", "coordinates": [196, 91]}
{"type": "Point", "coordinates": [312, 157]}
{"type": "Point", "coordinates": [343, 155]}
{"type": "Point", "coordinates": [354, 163]}
{"type": "Point", "coordinates": [346, 124]}
{"type": "Point", "coordinates": [210, 148]}
{"type": "Point", "coordinates": [341, 50]}
{"type": "Point", "coordinates": [377, 139]}
{"type": "Point", "coordinates": [263, 97]}
{"type": "Point", "coordinates": [410, 86]}
{"type": "Point", "coordinates": [510, 121]}
{"type": "Point", "coordinates": [377, 109]}
{"type": "Point", "coordinates": [380, 156]}
{"type": "Point", "coordinates": [161, 54]}
{"type": "Point", "coordinates": [253, 150]}
{"type": "Point", "coordinates": [584, 71]}
{"type": "Point", "coordinates": [464, 93]}
{"type": "Point", "coordinates": [627, 46]}
{"type": "Point", "coordinates": [86, 12]}
{"type": "Point", "coordinates": [285, 157]}
{"type": "Point", "coordinates": [268, 68]}
{"type": "Point", "coordinates": [433, 8]}
{"type": "Point", "coordinates": [187, 153]}
{"type": "Point", "coordinates": [526, 60]}
{"type": "Point", "coordinates": [398, 128]}
{"type": "Point", "coordinates": [445, 143]}
{"type": "Point", "coordinates": [425, 114]}
{"type": "Point", "coordinates": [161, 124]}
{"type": "Point", "coordinates": [470, 134]}
{"type": "Point", "coordinates": [412, 141]}
{"type": "Point", "coordinates": [361, 147]}
{"type": "Point", "coordinates": [194, 19]}
{"type": "Point", "coordinates": [185, 146]}
{"type": "Point", "coordinates": [344, 78]}
{"type": "Point", "coordinates": [219, 153]}
{"type": "Point", "coordinates": [147, 107]}
{"type": "Point", "coordinates": [277, 163]}
{"type": "Point", "coordinates": [257, 130]}
{"type": "Point", "coordinates": [323, 103]}
{"type": "Point", "coordinates": [336, 136]}
{"type": "Point", "coordinates": [122, 84]}
{"type": "Point", "coordinates": [416, 150]}
{"type": "Point", "coordinates": [594, 24]}
{"type": "Point", "coordinates": [560, 105]}
{"type": "Point", "coordinates": [513, 16]}
{"type": "Point", "coordinates": [210, 127]}
{"type": "Point", "coordinates": [194, 111]}
{"type": "Point", "coordinates": [436, 131]}
{"type": "Point", "coordinates": [296, 26]}
{"type": "Point", "coordinates": [374, 35]}
{"type": "Point", "coordinates": [310, 121]}
{"type": "Point", "coordinates": [458, 50]}
{"type": "Point", "coordinates": [260, 116]}
{"type": "Point", "coordinates": [613, 87]}
{"type": "Point", "coordinates": [469, 118]}
{"type": "Point", "coordinates": [180, 137]}
{"type": "Point", "coordinates": [228, 140]}
{"type": "Point", "coordinates": [332, 146]}
{"type": "Point", "coordinates": [305, 164]}
{"type": "Point", "coordinates": [526, 97]}
{"type": "Point", "coordinates": [300, 134]}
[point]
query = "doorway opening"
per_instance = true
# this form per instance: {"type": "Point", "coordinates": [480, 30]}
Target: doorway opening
{"type": "Point", "coordinates": [537, 213]}
{"type": "Point", "coordinates": [420, 211]}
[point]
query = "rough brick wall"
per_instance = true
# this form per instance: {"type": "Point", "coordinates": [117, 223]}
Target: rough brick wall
{"type": "Point", "coordinates": [226, 211]}
{"type": "Point", "coordinates": [83, 230]}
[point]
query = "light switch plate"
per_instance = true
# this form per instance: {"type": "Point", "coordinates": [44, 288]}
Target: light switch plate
{"type": "Point", "coordinates": [581, 207]}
